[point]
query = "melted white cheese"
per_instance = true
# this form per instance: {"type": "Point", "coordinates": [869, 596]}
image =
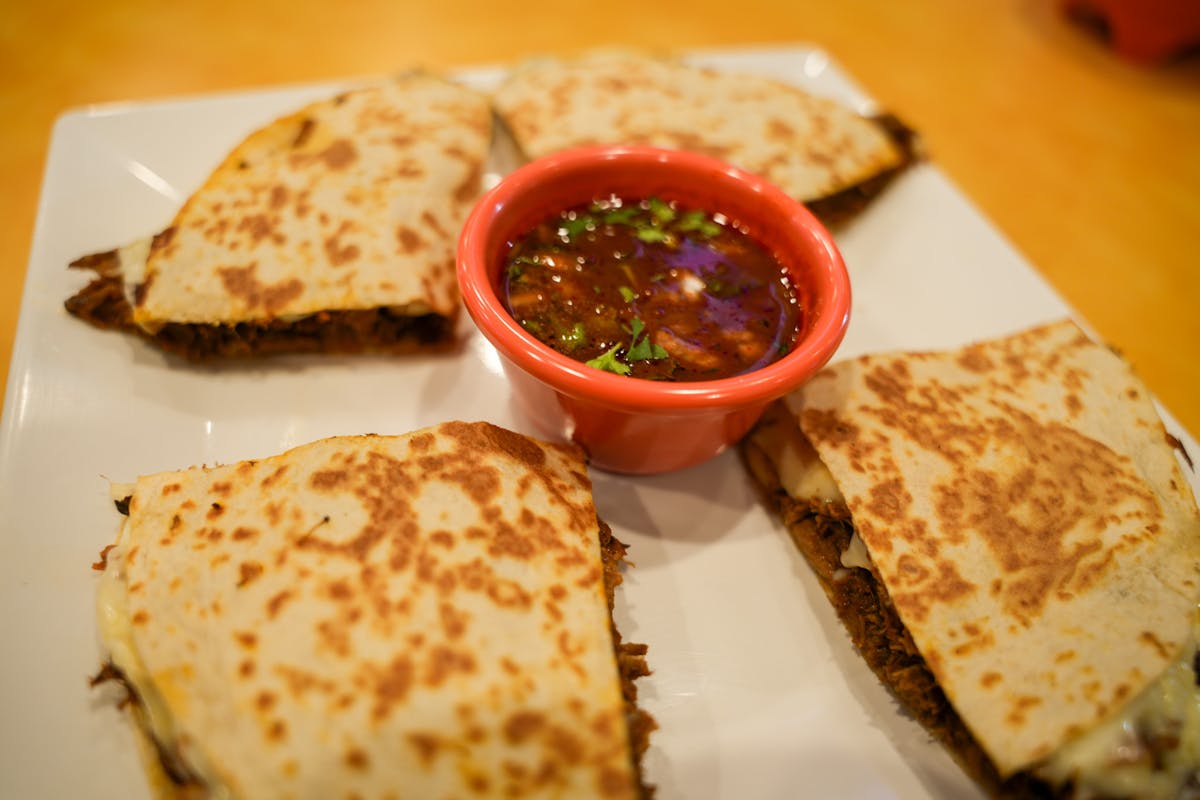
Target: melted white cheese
{"type": "Point", "coordinates": [116, 631]}
{"type": "Point", "coordinates": [1113, 759]}
{"type": "Point", "coordinates": [855, 554]}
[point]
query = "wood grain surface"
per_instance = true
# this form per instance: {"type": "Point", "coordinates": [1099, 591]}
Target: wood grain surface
{"type": "Point", "coordinates": [1088, 164]}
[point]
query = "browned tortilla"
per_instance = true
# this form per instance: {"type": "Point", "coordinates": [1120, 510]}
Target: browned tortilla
{"type": "Point", "coordinates": [1026, 521]}
{"type": "Point", "coordinates": [820, 151]}
{"type": "Point", "coordinates": [331, 229]}
{"type": "Point", "coordinates": [429, 611]}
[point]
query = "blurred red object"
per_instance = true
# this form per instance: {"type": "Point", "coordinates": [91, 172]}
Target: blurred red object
{"type": "Point", "coordinates": [1142, 30]}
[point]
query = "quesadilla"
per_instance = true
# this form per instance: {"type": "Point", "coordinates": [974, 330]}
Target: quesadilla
{"type": "Point", "coordinates": [426, 615]}
{"type": "Point", "coordinates": [331, 229]}
{"type": "Point", "coordinates": [821, 152]}
{"type": "Point", "coordinates": [1007, 533]}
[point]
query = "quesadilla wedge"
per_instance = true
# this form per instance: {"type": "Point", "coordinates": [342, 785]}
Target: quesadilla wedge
{"type": "Point", "coordinates": [331, 229]}
{"type": "Point", "coordinates": [821, 152]}
{"type": "Point", "coordinates": [1007, 534]}
{"type": "Point", "coordinates": [426, 615]}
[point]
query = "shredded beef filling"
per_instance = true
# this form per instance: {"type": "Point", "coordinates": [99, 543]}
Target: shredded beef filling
{"type": "Point", "coordinates": [102, 303]}
{"type": "Point", "coordinates": [631, 660]}
{"type": "Point", "coordinates": [841, 207]}
{"type": "Point", "coordinates": [186, 784]}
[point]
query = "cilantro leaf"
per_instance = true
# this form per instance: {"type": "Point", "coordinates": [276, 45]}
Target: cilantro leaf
{"type": "Point", "coordinates": [698, 221]}
{"type": "Point", "coordinates": [651, 235]}
{"type": "Point", "coordinates": [576, 336]}
{"type": "Point", "coordinates": [636, 326]}
{"type": "Point", "coordinates": [627, 293]}
{"type": "Point", "coordinates": [609, 362]}
{"type": "Point", "coordinates": [620, 216]}
{"type": "Point", "coordinates": [660, 210]}
{"type": "Point", "coordinates": [573, 227]}
{"type": "Point", "coordinates": [643, 349]}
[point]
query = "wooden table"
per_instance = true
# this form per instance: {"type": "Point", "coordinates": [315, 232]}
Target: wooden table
{"type": "Point", "coordinates": [1089, 165]}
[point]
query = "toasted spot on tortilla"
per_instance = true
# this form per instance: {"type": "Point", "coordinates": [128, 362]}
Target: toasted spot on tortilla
{"type": "Point", "coordinates": [890, 500]}
{"type": "Point", "coordinates": [508, 541]}
{"type": "Point", "coordinates": [779, 129]}
{"type": "Point", "coordinates": [427, 746]}
{"type": "Point", "coordinates": [329, 479]}
{"type": "Point", "coordinates": [356, 759]}
{"type": "Point", "coordinates": [141, 289]}
{"type": "Point", "coordinates": [277, 731]}
{"type": "Point", "coordinates": [340, 254]}
{"type": "Point", "coordinates": [983, 641]}
{"type": "Point", "coordinates": [334, 635]}
{"type": "Point", "coordinates": [242, 283]}
{"type": "Point", "coordinates": [392, 685]}
{"type": "Point", "coordinates": [279, 197]}
{"type": "Point", "coordinates": [243, 533]}
{"type": "Point", "coordinates": [1150, 640]}
{"type": "Point", "coordinates": [945, 585]}
{"type": "Point", "coordinates": [258, 227]}
{"type": "Point", "coordinates": [1020, 705]}
{"type": "Point", "coordinates": [276, 603]}
{"type": "Point", "coordinates": [408, 239]}
{"type": "Point", "coordinates": [454, 621]}
{"type": "Point", "coordinates": [248, 571]}
{"type": "Point", "coordinates": [508, 593]}
{"type": "Point", "coordinates": [466, 191]}
{"type": "Point", "coordinates": [564, 744]}
{"type": "Point", "coordinates": [265, 701]}
{"type": "Point", "coordinates": [340, 154]}
{"type": "Point", "coordinates": [521, 725]}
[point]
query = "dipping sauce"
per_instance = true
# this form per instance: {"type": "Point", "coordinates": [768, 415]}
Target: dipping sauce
{"type": "Point", "coordinates": [652, 290]}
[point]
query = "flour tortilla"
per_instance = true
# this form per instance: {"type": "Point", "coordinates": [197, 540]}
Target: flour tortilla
{"type": "Point", "coordinates": [421, 615]}
{"type": "Point", "coordinates": [351, 205]}
{"type": "Point", "coordinates": [1021, 503]}
{"type": "Point", "coordinates": [812, 147]}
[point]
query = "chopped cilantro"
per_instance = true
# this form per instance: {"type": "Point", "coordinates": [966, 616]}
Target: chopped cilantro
{"type": "Point", "coordinates": [571, 228]}
{"type": "Point", "coordinates": [643, 350]}
{"type": "Point", "coordinates": [620, 216]}
{"type": "Point", "coordinates": [650, 235]}
{"type": "Point", "coordinates": [660, 210]}
{"type": "Point", "coordinates": [576, 336]}
{"type": "Point", "coordinates": [698, 221]}
{"type": "Point", "coordinates": [627, 293]}
{"type": "Point", "coordinates": [516, 265]}
{"type": "Point", "coordinates": [533, 326]}
{"type": "Point", "coordinates": [609, 362]}
{"type": "Point", "coordinates": [719, 288]}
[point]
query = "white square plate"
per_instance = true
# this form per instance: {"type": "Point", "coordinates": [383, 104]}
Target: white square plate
{"type": "Point", "coordinates": [756, 689]}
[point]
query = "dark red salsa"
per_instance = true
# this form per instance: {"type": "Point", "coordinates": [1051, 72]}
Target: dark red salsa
{"type": "Point", "coordinates": [653, 290]}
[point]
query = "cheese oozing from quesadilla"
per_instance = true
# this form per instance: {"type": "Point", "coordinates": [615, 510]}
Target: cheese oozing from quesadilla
{"type": "Point", "coordinates": [1008, 536]}
{"type": "Point", "coordinates": [425, 615]}
{"type": "Point", "coordinates": [821, 152]}
{"type": "Point", "coordinates": [331, 229]}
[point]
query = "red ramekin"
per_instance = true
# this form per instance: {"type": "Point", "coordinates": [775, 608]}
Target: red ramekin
{"type": "Point", "coordinates": [625, 424]}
